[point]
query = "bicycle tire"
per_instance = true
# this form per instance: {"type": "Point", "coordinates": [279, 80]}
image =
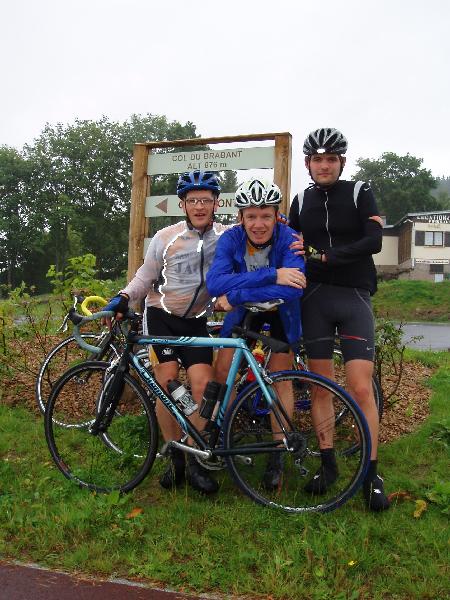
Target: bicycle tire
{"type": "Point", "coordinates": [251, 436]}
{"type": "Point", "coordinates": [61, 357]}
{"type": "Point", "coordinates": [90, 460]}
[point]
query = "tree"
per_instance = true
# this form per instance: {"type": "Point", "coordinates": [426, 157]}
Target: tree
{"type": "Point", "coordinates": [442, 192]}
{"type": "Point", "coordinates": [17, 227]}
{"type": "Point", "coordinates": [81, 174]}
{"type": "Point", "coordinates": [399, 183]}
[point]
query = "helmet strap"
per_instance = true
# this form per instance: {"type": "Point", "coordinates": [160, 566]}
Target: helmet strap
{"type": "Point", "coordinates": [259, 246]}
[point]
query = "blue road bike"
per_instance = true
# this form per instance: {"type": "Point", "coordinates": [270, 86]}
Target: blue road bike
{"type": "Point", "coordinates": [110, 436]}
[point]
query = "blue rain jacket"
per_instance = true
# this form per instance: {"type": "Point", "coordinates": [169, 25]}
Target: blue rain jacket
{"type": "Point", "coordinates": [228, 275]}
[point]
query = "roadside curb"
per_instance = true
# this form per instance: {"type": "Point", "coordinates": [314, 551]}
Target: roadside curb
{"type": "Point", "coordinates": [25, 581]}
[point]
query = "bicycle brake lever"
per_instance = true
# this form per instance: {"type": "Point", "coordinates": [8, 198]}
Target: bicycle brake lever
{"type": "Point", "coordinates": [63, 327]}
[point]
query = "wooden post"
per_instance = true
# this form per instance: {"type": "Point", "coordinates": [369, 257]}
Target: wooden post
{"type": "Point", "coordinates": [140, 188]}
{"type": "Point", "coordinates": [282, 168]}
{"type": "Point", "coordinates": [139, 224]}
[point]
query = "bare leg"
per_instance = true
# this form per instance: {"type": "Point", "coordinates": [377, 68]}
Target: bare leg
{"type": "Point", "coordinates": [281, 362]}
{"type": "Point", "coordinates": [358, 375]}
{"type": "Point", "coordinates": [322, 412]}
{"type": "Point", "coordinates": [222, 364]}
{"type": "Point", "coordinates": [199, 375]}
{"type": "Point", "coordinates": [164, 372]}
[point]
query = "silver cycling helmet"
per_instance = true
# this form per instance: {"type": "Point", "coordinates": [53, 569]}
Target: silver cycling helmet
{"type": "Point", "coordinates": [257, 192]}
{"type": "Point", "coordinates": [326, 139]}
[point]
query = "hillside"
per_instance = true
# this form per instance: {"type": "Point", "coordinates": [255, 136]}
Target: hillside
{"type": "Point", "coordinates": [413, 301]}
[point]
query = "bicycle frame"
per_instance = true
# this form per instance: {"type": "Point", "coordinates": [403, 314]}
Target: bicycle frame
{"type": "Point", "coordinates": [115, 445]}
{"type": "Point", "coordinates": [240, 350]}
{"type": "Point", "coordinates": [128, 358]}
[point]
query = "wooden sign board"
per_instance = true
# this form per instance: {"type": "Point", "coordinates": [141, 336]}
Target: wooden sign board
{"type": "Point", "coordinates": [147, 163]}
{"type": "Point", "coordinates": [232, 159]}
{"type": "Point", "coordinates": [163, 206]}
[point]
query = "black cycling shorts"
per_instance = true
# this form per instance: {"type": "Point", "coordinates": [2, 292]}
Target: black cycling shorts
{"type": "Point", "coordinates": [272, 317]}
{"type": "Point", "coordinates": [328, 310]}
{"type": "Point", "coordinates": [160, 324]}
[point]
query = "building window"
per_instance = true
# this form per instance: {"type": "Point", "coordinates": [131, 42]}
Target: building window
{"type": "Point", "coordinates": [434, 238]}
{"type": "Point", "coordinates": [436, 268]}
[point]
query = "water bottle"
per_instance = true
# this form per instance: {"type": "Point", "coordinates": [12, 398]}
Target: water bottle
{"type": "Point", "coordinates": [210, 396]}
{"type": "Point", "coordinates": [182, 397]}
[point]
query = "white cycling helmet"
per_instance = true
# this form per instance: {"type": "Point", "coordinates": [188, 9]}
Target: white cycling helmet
{"type": "Point", "coordinates": [257, 192]}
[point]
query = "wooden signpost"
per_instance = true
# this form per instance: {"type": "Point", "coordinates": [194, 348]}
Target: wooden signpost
{"type": "Point", "coordinates": [145, 164]}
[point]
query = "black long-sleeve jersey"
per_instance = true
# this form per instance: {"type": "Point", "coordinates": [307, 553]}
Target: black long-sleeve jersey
{"type": "Point", "coordinates": [337, 222]}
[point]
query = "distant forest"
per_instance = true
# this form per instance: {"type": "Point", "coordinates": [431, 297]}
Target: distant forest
{"type": "Point", "coordinates": [443, 185]}
{"type": "Point", "coordinates": [67, 194]}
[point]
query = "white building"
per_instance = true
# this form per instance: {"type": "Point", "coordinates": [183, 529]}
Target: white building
{"type": "Point", "coordinates": [417, 247]}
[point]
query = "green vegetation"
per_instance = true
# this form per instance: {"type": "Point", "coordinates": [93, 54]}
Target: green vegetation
{"type": "Point", "coordinates": [413, 301]}
{"type": "Point", "coordinates": [68, 193]}
{"type": "Point", "coordinates": [401, 185]}
{"type": "Point", "coordinates": [228, 544]}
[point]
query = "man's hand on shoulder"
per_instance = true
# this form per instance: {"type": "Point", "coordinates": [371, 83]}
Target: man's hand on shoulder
{"type": "Point", "coordinates": [297, 245]}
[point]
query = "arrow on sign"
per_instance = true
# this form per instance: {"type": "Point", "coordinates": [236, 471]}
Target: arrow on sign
{"type": "Point", "coordinates": [163, 205]}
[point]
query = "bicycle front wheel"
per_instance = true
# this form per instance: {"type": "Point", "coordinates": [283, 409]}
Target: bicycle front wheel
{"type": "Point", "coordinates": [61, 357]}
{"type": "Point", "coordinates": [116, 459]}
{"type": "Point", "coordinates": [257, 443]}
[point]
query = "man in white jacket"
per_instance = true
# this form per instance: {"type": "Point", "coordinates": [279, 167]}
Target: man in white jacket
{"type": "Point", "coordinates": [172, 279]}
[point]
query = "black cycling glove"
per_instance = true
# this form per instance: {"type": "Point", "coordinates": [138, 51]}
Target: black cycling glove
{"type": "Point", "coordinates": [313, 254]}
{"type": "Point", "coordinates": [118, 304]}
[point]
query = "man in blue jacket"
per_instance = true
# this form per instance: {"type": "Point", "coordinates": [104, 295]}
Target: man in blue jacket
{"type": "Point", "coordinates": [254, 263]}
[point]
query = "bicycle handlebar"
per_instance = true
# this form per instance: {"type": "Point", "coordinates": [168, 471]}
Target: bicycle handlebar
{"type": "Point", "coordinates": [79, 320]}
{"type": "Point", "coordinates": [91, 299]}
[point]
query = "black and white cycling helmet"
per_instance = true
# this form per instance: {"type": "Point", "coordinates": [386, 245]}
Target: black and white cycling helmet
{"type": "Point", "coordinates": [326, 139]}
{"type": "Point", "coordinates": [257, 192]}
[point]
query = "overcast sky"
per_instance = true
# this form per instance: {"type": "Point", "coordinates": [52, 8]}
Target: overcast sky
{"type": "Point", "coordinates": [378, 70]}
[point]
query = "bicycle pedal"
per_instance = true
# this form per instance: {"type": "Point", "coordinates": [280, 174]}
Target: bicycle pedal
{"type": "Point", "coordinates": [245, 460]}
{"type": "Point", "coordinates": [164, 452]}
{"type": "Point", "coordinates": [301, 469]}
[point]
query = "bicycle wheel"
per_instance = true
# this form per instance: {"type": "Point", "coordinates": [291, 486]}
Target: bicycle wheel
{"type": "Point", "coordinates": [255, 440]}
{"type": "Point", "coordinates": [120, 457]}
{"type": "Point", "coordinates": [64, 355]}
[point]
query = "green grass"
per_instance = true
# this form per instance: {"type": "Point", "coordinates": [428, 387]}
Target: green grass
{"type": "Point", "coordinates": [228, 544]}
{"type": "Point", "coordinates": [413, 300]}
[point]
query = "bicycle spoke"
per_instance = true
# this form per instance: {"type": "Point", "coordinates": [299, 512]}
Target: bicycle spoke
{"type": "Point", "coordinates": [250, 429]}
{"type": "Point", "coordinates": [118, 458]}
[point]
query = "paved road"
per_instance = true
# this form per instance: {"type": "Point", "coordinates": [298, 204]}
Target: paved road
{"type": "Point", "coordinates": [436, 336]}
{"type": "Point", "coordinates": [20, 582]}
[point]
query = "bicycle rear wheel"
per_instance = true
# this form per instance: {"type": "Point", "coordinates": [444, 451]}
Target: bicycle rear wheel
{"type": "Point", "coordinates": [254, 440]}
{"type": "Point", "coordinates": [120, 457]}
{"type": "Point", "coordinates": [61, 357]}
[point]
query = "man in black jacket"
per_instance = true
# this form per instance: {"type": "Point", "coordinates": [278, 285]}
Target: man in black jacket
{"type": "Point", "coordinates": [341, 229]}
